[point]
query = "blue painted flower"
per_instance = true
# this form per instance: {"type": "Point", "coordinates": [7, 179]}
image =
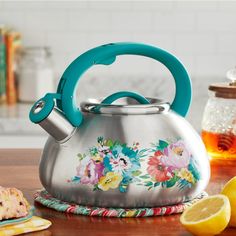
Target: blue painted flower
{"type": "Point", "coordinates": [122, 160]}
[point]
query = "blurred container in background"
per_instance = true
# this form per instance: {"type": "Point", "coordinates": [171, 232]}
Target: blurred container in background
{"type": "Point", "coordinates": [35, 74]}
{"type": "Point", "coordinates": [13, 50]}
{"type": "Point", "coordinates": [219, 119]}
{"type": "Point", "coordinates": [2, 65]}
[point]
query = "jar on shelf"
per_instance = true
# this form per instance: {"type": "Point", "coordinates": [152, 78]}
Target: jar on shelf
{"type": "Point", "coordinates": [219, 119]}
{"type": "Point", "coordinates": [35, 74]}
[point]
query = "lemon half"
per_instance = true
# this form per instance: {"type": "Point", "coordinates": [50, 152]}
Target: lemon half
{"type": "Point", "coordinates": [209, 216]}
{"type": "Point", "coordinates": [230, 191]}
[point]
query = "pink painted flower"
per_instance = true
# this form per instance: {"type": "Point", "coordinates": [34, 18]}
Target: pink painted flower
{"type": "Point", "coordinates": [157, 170]}
{"type": "Point", "coordinates": [176, 156]}
{"type": "Point", "coordinates": [99, 167]}
{"type": "Point", "coordinates": [88, 171]}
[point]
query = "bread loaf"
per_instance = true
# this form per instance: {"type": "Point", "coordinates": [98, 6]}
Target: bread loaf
{"type": "Point", "coordinates": [12, 204]}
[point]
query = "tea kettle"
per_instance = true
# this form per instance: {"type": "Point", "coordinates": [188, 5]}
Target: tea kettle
{"type": "Point", "coordinates": [120, 155]}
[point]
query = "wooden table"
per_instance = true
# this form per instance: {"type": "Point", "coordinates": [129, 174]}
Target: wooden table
{"type": "Point", "coordinates": [19, 168]}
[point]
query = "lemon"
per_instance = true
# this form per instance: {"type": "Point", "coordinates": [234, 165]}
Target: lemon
{"type": "Point", "coordinates": [230, 191]}
{"type": "Point", "coordinates": [208, 216]}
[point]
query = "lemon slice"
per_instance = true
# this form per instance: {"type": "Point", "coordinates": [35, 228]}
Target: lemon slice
{"type": "Point", "coordinates": [230, 191]}
{"type": "Point", "coordinates": [209, 216]}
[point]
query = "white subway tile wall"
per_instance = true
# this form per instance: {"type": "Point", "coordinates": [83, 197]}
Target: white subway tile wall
{"type": "Point", "coordinates": [202, 34]}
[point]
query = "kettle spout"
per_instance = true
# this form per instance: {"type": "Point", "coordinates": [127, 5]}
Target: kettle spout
{"type": "Point", "coordinates": [51, 119]}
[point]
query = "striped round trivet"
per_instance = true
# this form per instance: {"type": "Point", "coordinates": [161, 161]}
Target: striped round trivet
{"type": "Point", "coordinates": [43, 197]}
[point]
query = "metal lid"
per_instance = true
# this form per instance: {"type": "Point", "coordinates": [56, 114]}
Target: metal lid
{"type": "Point", "coordinates": [226, 90]}
{"type": "Point", "coordinates": [128, 107]}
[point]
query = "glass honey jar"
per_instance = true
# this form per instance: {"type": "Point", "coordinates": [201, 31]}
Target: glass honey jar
{"type": "Point", "coordinates": [219, 119]}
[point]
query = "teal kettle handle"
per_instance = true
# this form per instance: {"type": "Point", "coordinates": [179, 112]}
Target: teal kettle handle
{"type": "Point", "coordinates": [106, 55]}
{"type": "Point", "coordinates": [124, 94]}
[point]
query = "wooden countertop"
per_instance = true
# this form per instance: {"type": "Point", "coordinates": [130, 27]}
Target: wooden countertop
{"type": "Point", "coordinates": [19, 168]}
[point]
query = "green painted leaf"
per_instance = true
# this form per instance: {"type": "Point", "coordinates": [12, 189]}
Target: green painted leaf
{"type": "Point", "coordinates": [183, 184]}
{"type": "Point", "coordinates": [162, 145]}
{"type": "Point", "coordinates": [93, 150]}
{"type": "Point", "coordinates": [100, 139]}
{"type": "Point", "coordinates": [144, 176]}
{"type": "Point", "coordinates": [170, 183]}
{"type": "Point", "coordinates": [136, 173]}
{"type": "Point", "coordinates": [95, 187]}
{"type": "Point", "coordinates": [156, 184]}
{"type": "Point", "coordinates": [149, 183]}
{"type": "Point", "coordinates": [193, 169]}
{"type": "Point", "coordinates": [143, 152]}
{"type": "Point", "coordinates": [81, 156]}
{"type": "Point", "coordinates": [135, 179]}
{"type": "Point", "coordinates": [76, 179]}
{"type": "Point", "coordinates": [123, 188]}
{"type": "Point", "coordinates": [109, 143]}
{"type": "Point", "coordinates": [163, 184]}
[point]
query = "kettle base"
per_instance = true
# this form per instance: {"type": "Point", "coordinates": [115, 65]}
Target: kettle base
{"type": "Point", "coordinates": [44, 198]}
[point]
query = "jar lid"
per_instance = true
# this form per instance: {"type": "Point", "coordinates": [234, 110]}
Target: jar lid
{"type": "Point", "coordinates": [226, 90]}
{"type": "Point", "coordinates": [37, 50]}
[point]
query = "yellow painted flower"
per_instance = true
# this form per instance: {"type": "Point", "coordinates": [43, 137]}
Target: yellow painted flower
{"type": "Point", "coordinates": [185, 174]}
{"type": "Point", "coordinates": [111, 180]}
{"type": "Point", "coordinates": [178, 150]}
{"type": "Point", "coordinates": [97, 158]}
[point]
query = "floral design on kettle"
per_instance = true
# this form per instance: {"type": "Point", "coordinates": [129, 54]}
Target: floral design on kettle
{"type": "Point", "coordinates": [113, 165]}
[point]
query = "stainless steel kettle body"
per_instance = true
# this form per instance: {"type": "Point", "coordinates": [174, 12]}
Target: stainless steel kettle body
{"type": "Point", "coordinates": [120, 155]}
{"type": "Point", "coordinates": [127, 161]}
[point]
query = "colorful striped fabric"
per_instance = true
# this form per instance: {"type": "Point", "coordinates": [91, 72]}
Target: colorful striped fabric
{"type": "Point", "coordinates": [34, 224]}
{"type": "Point", "coordinates": [47, 200]}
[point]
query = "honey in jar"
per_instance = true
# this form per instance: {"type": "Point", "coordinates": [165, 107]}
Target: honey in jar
{"type": "Point", "coordinates": [219, 119]}
{"type": "Point", "coordinates": [220, 145]}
